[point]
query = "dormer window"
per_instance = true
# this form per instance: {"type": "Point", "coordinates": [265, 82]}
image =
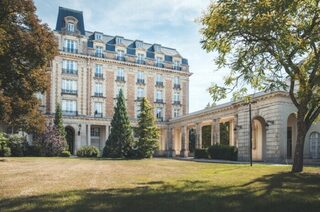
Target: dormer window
{"type": "Point", "coordinates": [138, 44]}
{"type": "Point", "coordinates": [70, 27]}
{"type": "Point", "coordinates": [98, 36]}
{"type": "Point", "coordinates": [156, 47]}
{"type": "Point", "coordinates": [119, 40]}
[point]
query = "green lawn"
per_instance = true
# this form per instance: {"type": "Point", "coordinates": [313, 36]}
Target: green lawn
{"type": "Point", "coordinates": [48, 184]}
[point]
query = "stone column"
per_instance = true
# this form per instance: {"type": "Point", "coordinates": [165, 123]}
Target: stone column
{"type": "Point", "coordinates": [88, 134]}
{"type": "Point", "coordinates": [212, 132]}
{"type": "Point", "coordinates": [235, 130]}
{"type": "Point", "coordinates": [184, 149]}
{"type": "Point", "coordinates": [198, 136]}
{"type": "Point", "coordinates": [216, 123]}
{"type": "Point", "coordinates": [170, 143]}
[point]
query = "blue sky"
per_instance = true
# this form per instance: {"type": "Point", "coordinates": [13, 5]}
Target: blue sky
{"type": "Point", "coordinates": [170, 23]}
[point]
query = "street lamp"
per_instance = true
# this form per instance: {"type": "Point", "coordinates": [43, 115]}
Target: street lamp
{"type": "Point", "coordinates": [79, 129]}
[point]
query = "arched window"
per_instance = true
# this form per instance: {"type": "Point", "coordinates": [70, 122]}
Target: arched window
{"type": "Point", "coordinates": [314, 141]}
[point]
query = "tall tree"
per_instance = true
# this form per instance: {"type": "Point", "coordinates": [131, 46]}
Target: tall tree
{"type": "Point", "coordinates": [120, 140]}
{"type": "Point", "coordinates": [269, 45]}
{"type": "Point", "coordinates": [147, 131]}
{"type": "Point", "coordinates": [58, 121]}
{"type": "Point", "coordinates": [26, 48]}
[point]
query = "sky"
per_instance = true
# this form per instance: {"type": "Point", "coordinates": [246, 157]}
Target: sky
{"type": "Point", "coordinates": [171, 23]}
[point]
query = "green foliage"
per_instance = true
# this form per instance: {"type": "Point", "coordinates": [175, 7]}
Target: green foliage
{"type": "Point", "coordinates": [50, 143]}
{"type": "Point", "coordinates": [88, 151]}
{"type": "Point", "coordinates": [18, 145]}
{"type": "Point", "coordinates": [4, 148]}
{"type": "Point", "coordinates": [147, 131]}
{"type": "Point", "coordinates": [65, 154]}
{"type": "Point", "coordinates": [201, 153]}
{"type": "Point", "coordinates": [268, 45]}
{"type": "Point", "coordinates": [224, 133]}
{"type": "Point", "coordinates": [192, 140]}
{"type": "Point", "coordinates": [26, 48]}
{"type": "Point", "coordinates": [58, 120]}
{"type": "Point", "coordinates": [120, 140]}
{"type": "Point", "coordinates": [206, 136]}
{"type": "Point", "coordinates": [223, 152]}
{"type": "Point", "coordinates": [33, 150]}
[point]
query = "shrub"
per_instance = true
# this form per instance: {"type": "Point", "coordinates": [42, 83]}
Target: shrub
{"type": "Point", "coordinates": [201, 153]}
{"type": "Point", "coordinates": [4, 148]}
{"type": "Point", "coordinates": [223, 152]}
{"type": "Point", "coordinates": [65, 154]}
{"type": "Point", "coordinates": [32, 150]}
{"type": "Point", "coordinates": [18, 145]}
{"type": "Point", "coordinates": [51, 143]}
{"type": "Point", "coordinates": [88, 151]}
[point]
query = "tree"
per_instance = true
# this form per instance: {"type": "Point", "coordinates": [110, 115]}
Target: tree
{"type": "Point", "coordinates": [119, 142]}
{"type": "Point", "coordinates": [269, 45]}
{"type": "Point", "coordinates": [58, 120]}
{"type": "Point", "coordinates": [26, 48]}
{"type": "Point", "coordinates": [147, 131]}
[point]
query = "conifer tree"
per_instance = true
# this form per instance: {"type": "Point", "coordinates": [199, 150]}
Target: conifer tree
{"type": "Point", "coordinates": [147, 131]}
{"type": "Point", "coordinates": [58, 121]}
{"type": "Point", "coordinates": [120, 140]}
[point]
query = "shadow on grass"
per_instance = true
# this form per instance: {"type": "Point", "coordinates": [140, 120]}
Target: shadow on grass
{"type": "Point", "coordinates": [278, 192]}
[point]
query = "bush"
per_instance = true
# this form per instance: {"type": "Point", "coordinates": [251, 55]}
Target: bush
{"type": "Point", "coordinates": [65, 154]}
{"type": "Point", "coordinates": [4, 148]}
{"type": "Point", "coordinates": [18, 145]}
{"type": "Point", "coordinates": [223, 152]}
{"type": "Point", "coordinates": [32, 150]}
{"type": "Point", "coordinates": [201, 153]}
{"type": "Point", "coordinates": [88, 151]}
{"type": "Point", "coordinates": [51, 143]}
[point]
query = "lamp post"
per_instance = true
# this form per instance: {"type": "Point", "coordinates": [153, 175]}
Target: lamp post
{"type": "Point", "coordinates": [250, 133]}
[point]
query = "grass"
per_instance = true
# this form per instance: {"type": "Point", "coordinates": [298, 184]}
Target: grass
{"type": "Point", "coordinates": [50, 184]}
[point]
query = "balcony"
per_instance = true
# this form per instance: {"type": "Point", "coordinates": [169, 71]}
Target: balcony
{"type": "Point", "coordinates": [120, 57]}
{"type": "Point", "coordinates": [140, 81]}
{"type": "Point", "coordinates": [159, 118]}
{"type": "Point", "coordinates": [69, 112]}
{"type": "Point", "coordinates": [160, 65]}
{"type": "Point", "coordinates": [98, 75]}
{"type": "Point", "coordinates": [69, 71]}
{"type": "Point", "coordinates": [159, 101]}
{"type": "Point", "coordinates": [70, 92]}
{"type": "Point", "coordinates": [97, 94]}
{"type": "Point", "coordinates": [176, 102]}
{"type": "Point", "coordinates": [141, 61]}
{"type": "Point", "coordinates": [120, 79]}
{"type": "Point", "coordinates": [98, 115]}
{"type": "Point", "coordinates": [176, 68]}
{"type": "Point", "coordinates": [70, 50]}
{"type": "Point", "coordinates": [99, 54]}
{"type": "Point", "coordinates": [159, 84]}
{"type": "Point", "coordinates": [177, 86]}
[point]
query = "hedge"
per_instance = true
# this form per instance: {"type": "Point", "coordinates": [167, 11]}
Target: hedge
{"type": "Point", "coordinates": [201, 153]}
{"type": "Point", "coordinates": [223, 152]}
{"type": "Point", "coordinates": [88, 151]}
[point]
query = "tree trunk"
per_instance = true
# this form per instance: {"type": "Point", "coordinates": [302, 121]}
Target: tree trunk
{"type": "Point", "coordinates": [298, 153]}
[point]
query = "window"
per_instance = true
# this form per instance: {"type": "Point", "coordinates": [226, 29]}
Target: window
{"type": "Point", "coordinates": [176, 65]}
{"type": "Point", "coordinates": [314, 141]}
{"type": "Point", "coordinates": [138, 110]}
{"type": "Point", "coordinates": [99, 50]}
{"type": "Point", "coordinates": [95, 132]}
{"type": "Point", "coordinates": [98, 72]}
{"type": "Point", "coordinates": [40, 97]}
{"type": "Point", "coordinates": [140, 58]}
{"type": "Point", "coordinates": [140, 93]}
{"type": "Point", "coordinates": [176, 112]}
{"type": "Point", "coordinates": [159, 113]}
{"type": "Point", "coordinates": [120, 74]}
{"type": "Point", "coordinates": [98, 109]}
{"type": "Point", "coordinates": [69, 86]}
{"type": "Point", "coordinates": [69, 67]}
{"type": "Point", "coordinates": [138, 44]}
{"type": "Point", "coordinates": [70, 46]}
{"type": "Point", "coordinates": [69, 107]}
{"type": "Point", "coordinates": [176, 96]}
{"type": "Point", "coordinates": [140, 77]}
{"type": "Point", "coordinates": [176, 83]}
{"type": "Point", "coordinates": [120, 55]}
{"type": "Point", "coordinates": [159, 96]}
{"type": "Point", "coordinates": [98, 36]}
{"type": "Point", "coordinates": [119, 40]}
{"type": "Point", "coordinates": [159, 62]}
{"type": "Point", "coordinates": [118, 90]}
{"type": "Point", "coordinates": [156, 48]}
{"type": "Point", "coordinates": [70, 27]}
{"type": "Point", "coordinates": [98, 89]}
{"type": "Point", "coordinates": [159, 80]}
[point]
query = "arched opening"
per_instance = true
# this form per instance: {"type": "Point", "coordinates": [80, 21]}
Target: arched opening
{"type": "Point", "coordinates": [291, 134]}
{"type": "Point", "coordinates": [314, 141]}
{"type": "Point", "coordinates": [258, 138]}
{"type": "Point", "coordinates": [70, 135]}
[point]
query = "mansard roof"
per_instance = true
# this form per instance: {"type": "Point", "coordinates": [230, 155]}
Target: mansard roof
{"type": "Point", "coordinates": [64, 12]}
